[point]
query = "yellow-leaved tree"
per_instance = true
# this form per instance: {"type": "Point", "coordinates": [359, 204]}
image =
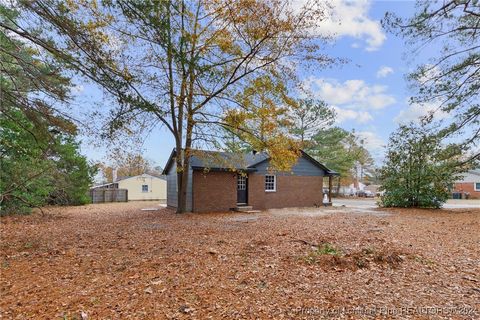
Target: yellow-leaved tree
{"type": "Point", "coordinates": [262, 120]}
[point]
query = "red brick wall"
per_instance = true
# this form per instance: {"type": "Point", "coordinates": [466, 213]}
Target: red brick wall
{"type": "Point", "coordinates": [467, 187]}
{"type": "Point", "coordinates": [292, 191]}
{"type": "Point", "coordinates": [214, 191]}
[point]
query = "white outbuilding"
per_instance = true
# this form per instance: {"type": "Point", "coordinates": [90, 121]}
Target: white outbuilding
{"type": "Point", "coordinates": [144, 187]}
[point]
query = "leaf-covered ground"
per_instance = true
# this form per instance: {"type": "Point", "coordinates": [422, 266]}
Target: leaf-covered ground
{"type": "Point", "coordinates": [116, 261]}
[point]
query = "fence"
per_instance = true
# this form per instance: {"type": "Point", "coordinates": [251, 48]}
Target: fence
{"type": "Point", "coordinates": [101, 195]}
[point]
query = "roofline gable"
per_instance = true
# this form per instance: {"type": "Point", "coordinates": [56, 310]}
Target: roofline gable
{"type": "Point", "coordinates": [320, 165]}
{"type": "Point", "coordinates": [139, 175]}
{"type": "Point", "coordinates": [172, 156]}
{"type": "Point", "coordinates": [309, 158]}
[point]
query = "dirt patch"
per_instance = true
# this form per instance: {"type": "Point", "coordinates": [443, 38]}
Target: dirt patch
{"type": "Point", "coordinates": [325, 211]}
{"type": "Point", "coordinates": [306, 212]}
{"type": "Point", "coordinates": [116, 261]}
{"type": "Point", "coordinates": [329, 256]}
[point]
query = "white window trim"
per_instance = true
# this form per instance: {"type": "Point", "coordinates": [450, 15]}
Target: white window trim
{"type": "Point", "coordinates": [274, 183]}
{"type": "Point", "coordinates": [147, 188]}
{"type": "Point", "coordinates": [475, 186]}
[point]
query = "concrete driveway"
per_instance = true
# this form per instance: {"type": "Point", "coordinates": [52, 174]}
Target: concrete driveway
{"type": "Point", "coordinates": [372, 203]}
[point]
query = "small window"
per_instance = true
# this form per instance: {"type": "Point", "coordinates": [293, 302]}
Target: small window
{"type": "Point", "coordinates": [241, 182]}
{"type": "Point", "coordinates": [145, 188]}
{"type": "Point", "coordinates": [477, 186]}
{"type": "Point", "coordinates": [270, 183]}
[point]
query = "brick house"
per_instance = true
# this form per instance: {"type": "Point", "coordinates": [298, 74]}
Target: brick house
{"type": "Point", "coordinates": [469, 184]}
{"type": "Point", "coordinates": [222, 181]}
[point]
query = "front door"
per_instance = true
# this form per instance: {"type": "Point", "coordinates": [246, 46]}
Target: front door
{"type": "Point", "coordinates": [242, 183]}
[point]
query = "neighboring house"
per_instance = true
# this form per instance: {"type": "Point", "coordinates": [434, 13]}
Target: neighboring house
{"type": "Point", "coordinates": [356, 187]}
{"type": "Point", "coordinates": [141, 187]}
{"type": "Point", "coordinates": [144, 187]}
{"type": "Point", "coordinates": [221, 181]}
{"type": "Point", "coordinates": [469, 185]}
{"type": "Point", "coordinates": [373, 188]}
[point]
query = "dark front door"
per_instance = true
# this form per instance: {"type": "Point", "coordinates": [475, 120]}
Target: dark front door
{"type": "Point", "coordinates": [242, 183]}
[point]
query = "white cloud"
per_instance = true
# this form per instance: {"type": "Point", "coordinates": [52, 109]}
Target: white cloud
{"type": "Point", "coordinates": [384, 71]}
{"type": "Point", "coordinates": [351, 94]}
{"type": "Point", "coordinates": [415, 112]}
{"type": "Point", "coordinates": [343, 115]}
{"type": "Point", "coordinates": [373, 143]}
{"type": "Point", "coordinates": [350, 18]}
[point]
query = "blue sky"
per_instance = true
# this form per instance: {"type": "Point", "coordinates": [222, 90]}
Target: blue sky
{"type": "Point", "coordinates": [369, 93]}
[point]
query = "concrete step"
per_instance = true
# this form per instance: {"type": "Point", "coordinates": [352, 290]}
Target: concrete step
{"type": "Point", "coordinates": [243, 208]}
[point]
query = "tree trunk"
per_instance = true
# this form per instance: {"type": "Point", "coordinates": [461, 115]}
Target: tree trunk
{"type": "Point", "coordinates": [330, 185]}
{"type": "Point", "coordinates": [186, 153]}
{"type": "Point", "coordinates": [182, 190]}
{"type": "Point", "coordinates": [190, 76]}
{"type": "Point", "coordinates": [181, 200]}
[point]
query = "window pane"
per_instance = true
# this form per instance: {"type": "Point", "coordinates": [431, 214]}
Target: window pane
{"type": "Point", "coordinates": [269, 183]}
{"type": "Point", "coordinates": [477, 186]}
{"type": "Point", "coordinates": [145, 188]}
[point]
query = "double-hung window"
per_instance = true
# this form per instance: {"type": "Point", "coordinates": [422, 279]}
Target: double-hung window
{"type": "Point", "coordinates": [270, 183]}
{"type": "Point", "coordinates": [144, 187]}
{"type": "Point", "coordinates": [477, 186]}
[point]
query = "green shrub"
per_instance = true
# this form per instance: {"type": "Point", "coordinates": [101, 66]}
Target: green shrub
{"type": "Point", "coordinates": [418, 171]}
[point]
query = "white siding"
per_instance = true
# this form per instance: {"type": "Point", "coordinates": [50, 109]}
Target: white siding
{"type": "Point", "coordinates": [157, 187]}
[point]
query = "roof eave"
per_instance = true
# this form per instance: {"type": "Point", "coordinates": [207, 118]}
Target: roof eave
{"type": "Point", "coordinates": [332, 174]}
{"type": "Point", "coordinates": [169, 162]}
{"type": "Point", "coordinates": [224, 169]}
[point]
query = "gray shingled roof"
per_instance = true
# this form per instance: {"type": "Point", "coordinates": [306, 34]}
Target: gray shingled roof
{"type": "Point", "coordinates": [219, 160]}
{"type": "Point", "coordinates": [225, 160]}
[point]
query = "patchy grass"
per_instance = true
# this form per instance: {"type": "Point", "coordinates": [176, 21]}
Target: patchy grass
{"type": "Point", "coordinates": [324, 249]}
{"type": "Point", "coordinates": [361, 259]}
{"type": "Point", "coordinates": [327, 248]}
{"type": "Point", "coordinates": [28, 245]}
{"type": "Point", "coordinates": [5, 264]}
{"type": "Point", "coordinates": [424, 261]}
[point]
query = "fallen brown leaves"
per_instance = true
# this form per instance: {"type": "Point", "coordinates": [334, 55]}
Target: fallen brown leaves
{"type": "Point", "coordinates": [119, 262]}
